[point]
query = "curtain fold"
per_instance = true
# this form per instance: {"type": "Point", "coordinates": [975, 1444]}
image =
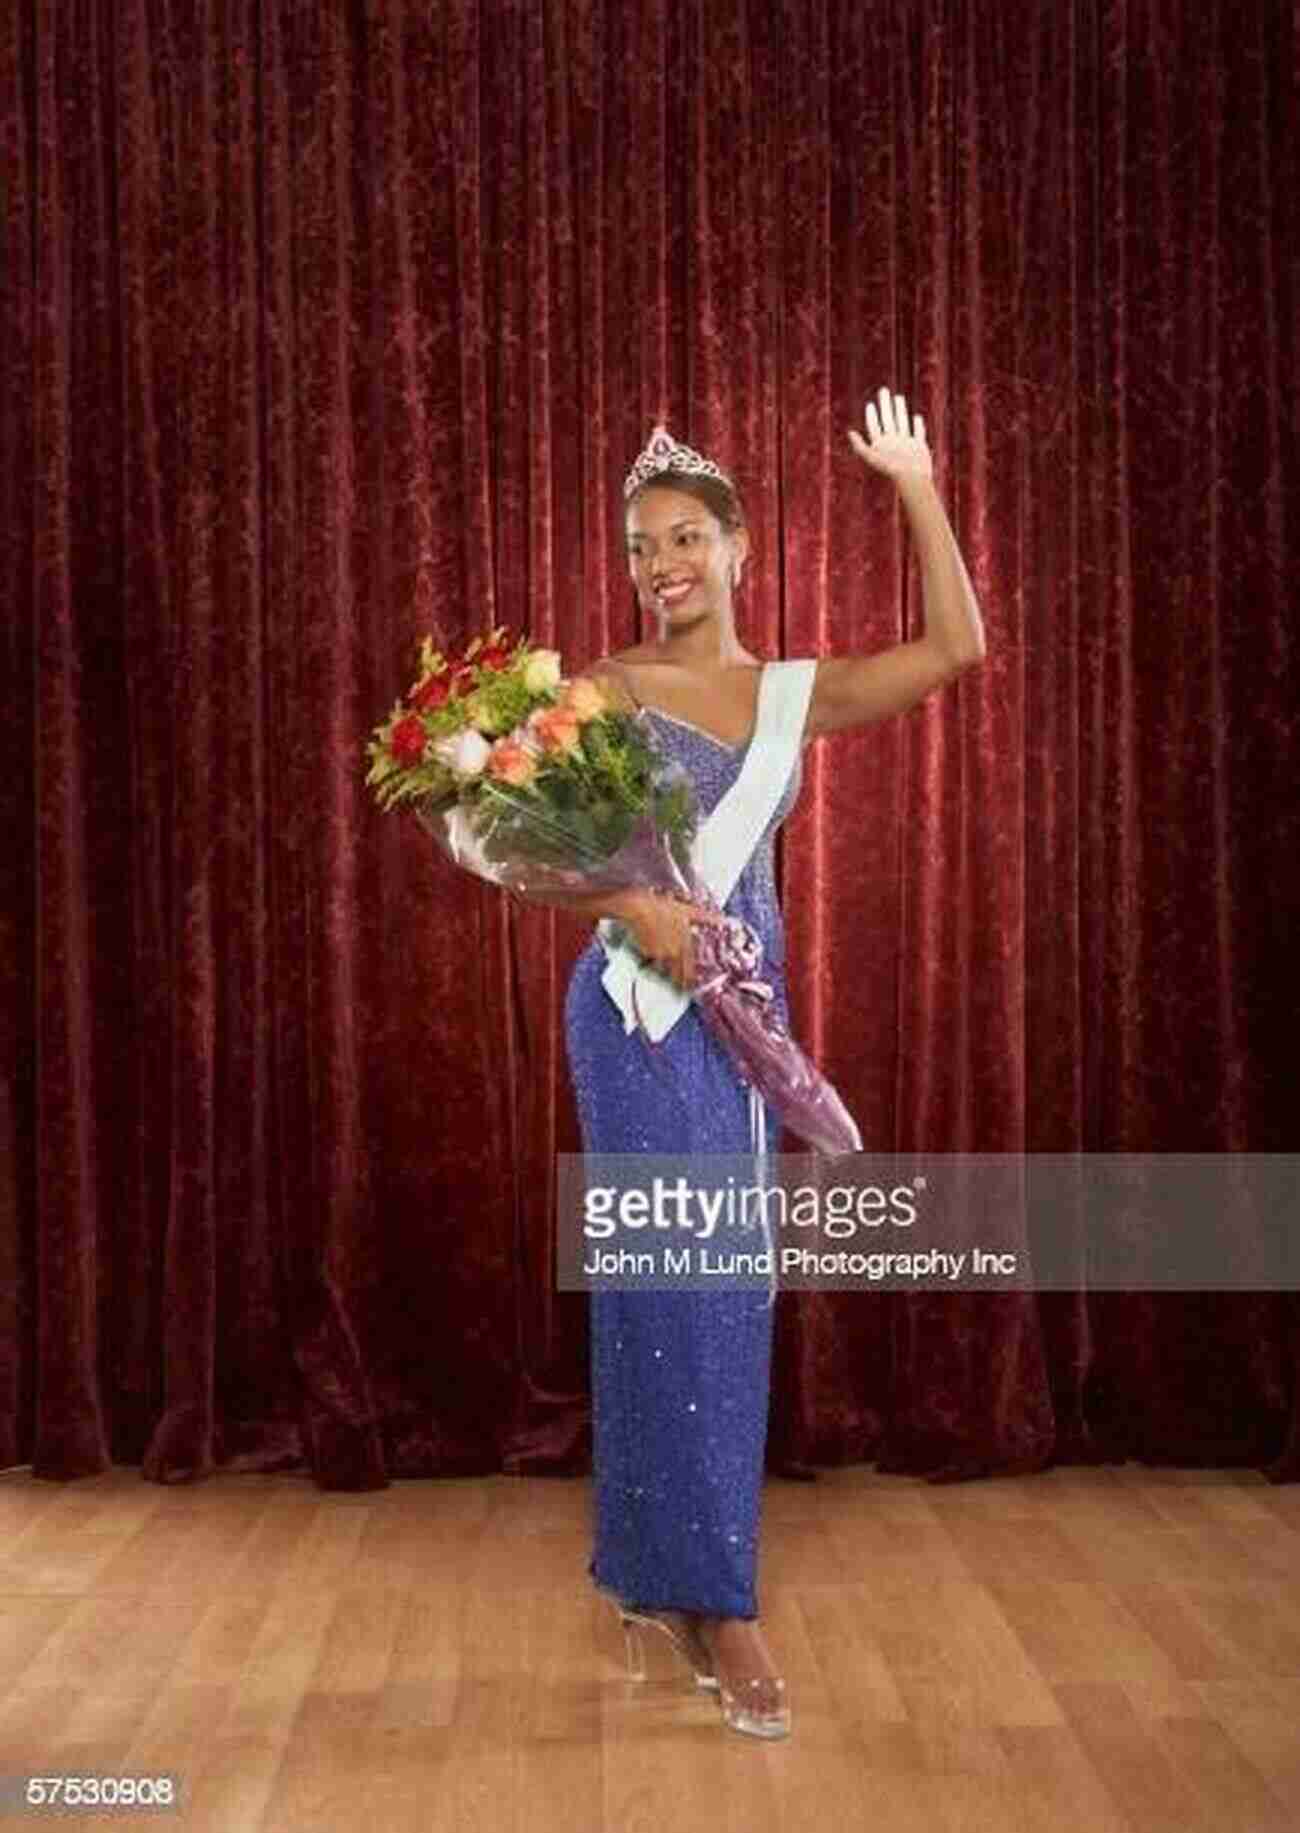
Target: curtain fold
{"type": "Point", "coordinates": [330, 325]}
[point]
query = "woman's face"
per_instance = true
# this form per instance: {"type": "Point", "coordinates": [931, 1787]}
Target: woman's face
{"type": "Point", "coordinates": [680, 556]}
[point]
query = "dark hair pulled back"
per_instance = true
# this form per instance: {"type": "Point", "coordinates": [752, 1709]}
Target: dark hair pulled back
{"type": "Point", "coordinates": [722, 498]}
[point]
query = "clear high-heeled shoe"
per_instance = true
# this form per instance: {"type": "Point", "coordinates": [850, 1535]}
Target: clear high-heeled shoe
{"type": "Point", "coordinates": [683, 1636]}
{"type": "Point", "coordinates": [755, 1704]}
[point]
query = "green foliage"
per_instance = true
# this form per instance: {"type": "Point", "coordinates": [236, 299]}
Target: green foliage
{"type": "Point", "coordinates": [500, 701]}
{"type": "Point", "coordinates": [582, 805]}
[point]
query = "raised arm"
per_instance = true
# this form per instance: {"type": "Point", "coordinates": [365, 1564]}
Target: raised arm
{"type": "Point", "coordinates": [858, 690]}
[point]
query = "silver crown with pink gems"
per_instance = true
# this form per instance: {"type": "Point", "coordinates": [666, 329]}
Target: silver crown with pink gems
{"type": "Point", "coordinates": [663, 453]}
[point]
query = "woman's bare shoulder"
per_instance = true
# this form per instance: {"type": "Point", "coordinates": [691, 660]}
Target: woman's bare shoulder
{"type": "Point", "coordinates": [613, 676]}
{"type": "Point", "coordinates": [615, 666]}
{"type": "Point", "coordinates": [638, 656]}
{"type": "Point", "coordinates": [625, 666]}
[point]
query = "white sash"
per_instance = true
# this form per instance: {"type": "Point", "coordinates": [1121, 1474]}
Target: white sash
{"type": "Point", "coordinates": [723, 842]}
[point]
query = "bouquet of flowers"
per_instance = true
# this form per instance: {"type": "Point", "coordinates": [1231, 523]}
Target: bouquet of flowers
{"type": "Point", "coordinates": [549, 786]}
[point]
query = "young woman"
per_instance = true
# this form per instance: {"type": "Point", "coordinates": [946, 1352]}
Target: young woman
{"type": "Point", "coordinates": [680, 1380]}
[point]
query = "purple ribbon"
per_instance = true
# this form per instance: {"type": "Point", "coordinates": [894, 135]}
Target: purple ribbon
{"type": "Point", "coordinates": [739, 1008]}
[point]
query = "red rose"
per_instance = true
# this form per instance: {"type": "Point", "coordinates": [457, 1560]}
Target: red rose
{"type": "Point", "coordinates": [495, 656]}
{"type": "Point", "coordinates": [407, 740]}
{"type": "Point", "coordinates": [432, 693]}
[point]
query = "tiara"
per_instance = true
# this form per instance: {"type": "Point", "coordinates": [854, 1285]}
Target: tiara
{"type": "Point", "coordinates": [663, 453]}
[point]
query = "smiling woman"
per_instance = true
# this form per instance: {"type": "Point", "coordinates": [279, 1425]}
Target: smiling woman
{"type": "Point", "coordinates": [680, 1378]}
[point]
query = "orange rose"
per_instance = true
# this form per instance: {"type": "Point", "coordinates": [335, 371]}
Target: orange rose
{"type": "Point", "coordinates": [557, 729]}
{"type": "Point", "coordinates": [511, 763]}
{"type": "Point", "coordinates": [584, 699]}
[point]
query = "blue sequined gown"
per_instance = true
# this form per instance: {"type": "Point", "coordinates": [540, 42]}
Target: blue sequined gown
{"type": "Point", "coordinates": [680, 1380]}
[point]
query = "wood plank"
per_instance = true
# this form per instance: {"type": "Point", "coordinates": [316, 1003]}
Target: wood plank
{"type": "Point", "coordinates": [1094, 1647]}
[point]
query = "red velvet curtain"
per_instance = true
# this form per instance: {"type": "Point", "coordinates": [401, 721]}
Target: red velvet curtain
{"type": "Point", "coordinates": [328, 325]}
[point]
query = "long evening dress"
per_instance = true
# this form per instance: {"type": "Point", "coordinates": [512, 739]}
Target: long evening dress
{"type": "Point", "coordinates": [680, 1379]}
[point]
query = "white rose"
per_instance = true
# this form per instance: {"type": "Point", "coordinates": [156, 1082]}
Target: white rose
{"type": "Point", "coordinates": [464, 752]}
{"type": "Point", "coordinates": [542, 670]}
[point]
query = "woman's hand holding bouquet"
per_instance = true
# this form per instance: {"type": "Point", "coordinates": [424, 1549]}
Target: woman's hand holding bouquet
{"type": "Point", "coordinates": [663, 930]}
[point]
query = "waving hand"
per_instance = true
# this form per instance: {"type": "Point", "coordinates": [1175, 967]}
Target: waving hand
{"type": "Point", "coordinates": [891, 445]}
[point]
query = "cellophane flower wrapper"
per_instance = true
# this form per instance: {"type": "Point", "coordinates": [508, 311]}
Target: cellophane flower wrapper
{"type": "Point", "coordinates": [611, 812]}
